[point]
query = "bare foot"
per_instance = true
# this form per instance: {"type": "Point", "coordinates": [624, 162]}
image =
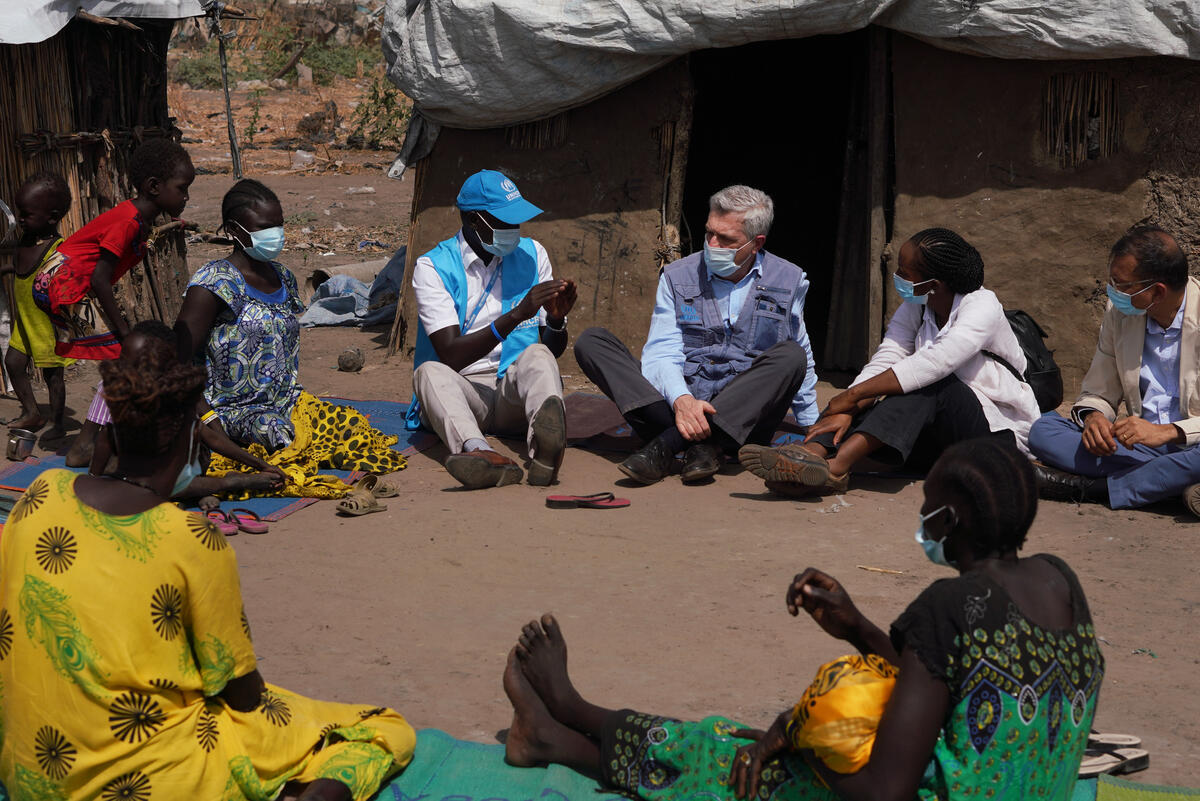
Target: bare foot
{"type": "Point", "coordinates": [542, 652]}
{"type": "Point", "coordinates": [54, 434]}
{"type": "Point", "coordinates": [30, 422]}
{"type": "Point", "coordinates": [80, 454]}
{"type": "Point", "coordinates": [533, 730]}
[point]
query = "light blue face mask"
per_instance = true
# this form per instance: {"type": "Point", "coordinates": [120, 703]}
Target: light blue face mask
{"type": "Point", "coordinates": [935, 550]}
{"type": "Point", "coordinates": [192, 469]}
{"type": "Point", "coordinates": [1123, 301]}
{"type": "Point", "coordinates": [265, 245]}
{"type": "Point", "coordinates": [722, 262]}
{"type": "Point", "coordinates": [905, 289]}
{"type": "Point", "coordinates": [504, 240]}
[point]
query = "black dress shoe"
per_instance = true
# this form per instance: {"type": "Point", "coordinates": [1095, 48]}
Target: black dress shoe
{"type": "Point", "coordinates": [1059, 485]}
{"type": "Point", "coordinates": [700, 461]}
{"type": "Point", "coordinates": [649, 465]}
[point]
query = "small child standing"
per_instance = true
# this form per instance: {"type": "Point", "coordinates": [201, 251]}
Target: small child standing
{"type": "Point", "coordinates": [76, 285]}
{"type": "Point", "coordinates": [42, 201]}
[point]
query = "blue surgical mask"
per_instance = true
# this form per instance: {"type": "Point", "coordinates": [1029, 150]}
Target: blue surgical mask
{"type": "Point", "coordinates": [905, 289]}
{"type": "Point", "coordinates": [1123, 301]}
{"type": "Point", "coordinates": [265, 245]}
{"type": "Point", "coordinates": [504, 240]}
{"type": "Point", "coordinates": [935, 550]}
{"type": "Point", "coordinates": [722, 262]}
{"type": "Point", "coordinates": [192, 469]}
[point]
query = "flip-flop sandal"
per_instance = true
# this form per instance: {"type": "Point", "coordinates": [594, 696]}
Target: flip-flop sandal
{"type": "Point", "coordinates": [359, 503]}
{"type": "Point", "coordinates": [249, 521]}
{"type": "Point", "coordinates": [1107, 741]}
{"type": "Point", "coordinates": [375, 485]}
{"type": "Point", "coordinates": [1114, 762]}
{"type": "Point", "coordinates": [224, 522]}
{"type": "Point", "coordinates": [601, 500]}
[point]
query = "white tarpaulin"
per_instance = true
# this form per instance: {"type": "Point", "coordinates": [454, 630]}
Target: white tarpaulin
{"type": "Point", "coordinates": [26, 21]}
{"type": "Point", "coordinates": [487, 63]}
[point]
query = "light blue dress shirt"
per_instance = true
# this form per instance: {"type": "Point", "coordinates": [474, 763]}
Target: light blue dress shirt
{"type": "Point", "coordinates": [662, 358]}
{"type": "Point", "coordinates": [1159, 380]}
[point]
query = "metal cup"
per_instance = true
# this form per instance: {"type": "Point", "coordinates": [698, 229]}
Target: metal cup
{"type": "Point", "coordinates": [20, 444]}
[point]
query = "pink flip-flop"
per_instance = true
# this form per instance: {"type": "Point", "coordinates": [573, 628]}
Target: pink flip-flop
{"type": "Point", "coordinates": [224, 523]}
{"type": "Point", "coordinates": [601, 500]}
{"type": "Point", "coordinates": [249, 522]}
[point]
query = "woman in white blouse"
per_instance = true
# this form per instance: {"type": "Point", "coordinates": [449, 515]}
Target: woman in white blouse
{"type": "Point", "coordinates": [933, 381]}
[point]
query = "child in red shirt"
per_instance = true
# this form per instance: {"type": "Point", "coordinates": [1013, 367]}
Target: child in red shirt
{"type": "Point", "coordinates": [75, 286]}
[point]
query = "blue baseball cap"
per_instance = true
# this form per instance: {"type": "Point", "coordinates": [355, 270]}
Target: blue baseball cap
{"type": "Point", "coordinates": [493, 192]}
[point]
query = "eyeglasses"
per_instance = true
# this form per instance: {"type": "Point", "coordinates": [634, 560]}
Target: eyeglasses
{"type": "Point", "coordinates": [1115, 285]}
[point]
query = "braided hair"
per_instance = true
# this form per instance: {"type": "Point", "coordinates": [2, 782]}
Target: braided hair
{"type": "Point", "coordinates": [55, 184]}
{"type": "Point", "coordinates": [994, 492]}
{"type": "Point", "coordinates": [151, 397]}
{"type": "Point", "coordinates": [245, 194]}
{"type": "Point", "coordinates": [159, 158]}
{"type": "Point", "coordinates": [946, 256]}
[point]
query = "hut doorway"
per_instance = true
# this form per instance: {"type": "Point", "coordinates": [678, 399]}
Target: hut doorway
{"type": "Point", "coordinates": [802, 116]}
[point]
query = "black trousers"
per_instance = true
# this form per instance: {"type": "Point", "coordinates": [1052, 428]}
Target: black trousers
{"type": "Point", "coordinates": [916, 427]}
{"type": "Point", "coordinates": [749, 408]}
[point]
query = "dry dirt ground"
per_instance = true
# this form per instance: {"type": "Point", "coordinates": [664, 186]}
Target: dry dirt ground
{"type": "Point", "coordinates": [673, 605]}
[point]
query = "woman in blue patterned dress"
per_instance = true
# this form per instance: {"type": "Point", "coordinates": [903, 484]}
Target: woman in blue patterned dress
{"type": "Point", "coordinates": [999, 673]}
{"type": "Point", "coordinates": [239, 314]}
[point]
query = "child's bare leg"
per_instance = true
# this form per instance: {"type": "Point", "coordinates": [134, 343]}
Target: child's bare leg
{"type": "Point", "coordinates": [56, 388]}
{"type": "Point", "coordinates": [535, 737]}
{"type": "Point", "coordinates": [102, 451]}
{"type": "Point", "coordinates": [542, 652]}
{"type": "Point", "coordinates": [81, 450]}
{"type": "Point", "coordinates": [17, 364]}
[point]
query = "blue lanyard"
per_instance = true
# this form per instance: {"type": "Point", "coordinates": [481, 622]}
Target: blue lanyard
{"type": "Point", "coordinates": [482, 300]}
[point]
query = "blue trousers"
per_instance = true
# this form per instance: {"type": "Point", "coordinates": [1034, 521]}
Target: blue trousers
{"type": "Point", "coordinates": [1136, 476]}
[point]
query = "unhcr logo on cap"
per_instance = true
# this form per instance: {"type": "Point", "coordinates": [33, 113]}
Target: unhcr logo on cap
{"type": "Point", "coordinates": [497, 194]}
{"type": "Point", "coordinates": [510, 188]}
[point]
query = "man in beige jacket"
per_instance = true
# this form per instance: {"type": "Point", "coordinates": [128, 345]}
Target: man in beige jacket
{"type": "Point", "coordinates": [1148, 357]}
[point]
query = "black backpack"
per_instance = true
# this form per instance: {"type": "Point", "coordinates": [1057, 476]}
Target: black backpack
{"type": "Point", "coordinates": [1041, 373]}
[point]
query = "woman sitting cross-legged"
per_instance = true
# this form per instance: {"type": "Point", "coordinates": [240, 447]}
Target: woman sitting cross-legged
{"type": "Point", "coordinates": [936, 379]}
{"type": "Point", "coordinates": [239, 316]}
{"type": "Point", "coordinates": [996, 674]}
{"type": "Point", "coordinates": [126, 664]}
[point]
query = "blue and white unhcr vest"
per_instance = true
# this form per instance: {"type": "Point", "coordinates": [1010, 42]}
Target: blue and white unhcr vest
{"type": "Point", "coordinates": [714, 354]}
{"type": "Point", "coordinates": [518, 274]}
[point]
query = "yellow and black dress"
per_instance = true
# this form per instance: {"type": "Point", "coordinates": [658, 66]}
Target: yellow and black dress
{"type": "Point", "coordinates": [117, 633]}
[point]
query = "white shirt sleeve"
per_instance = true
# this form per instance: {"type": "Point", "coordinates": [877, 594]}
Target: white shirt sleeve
{"type": "Point", "coordinates": [545, 273]}
{"type": "Point", "coordinates": [435, 307]}
{"type": "Point", "coordinates": [979, 316]}
{"type": "Point", "coordinates": [899, 341]}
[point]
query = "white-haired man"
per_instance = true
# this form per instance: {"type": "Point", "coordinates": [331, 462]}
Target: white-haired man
{"type": "Point", "coordinates": [727, 353]}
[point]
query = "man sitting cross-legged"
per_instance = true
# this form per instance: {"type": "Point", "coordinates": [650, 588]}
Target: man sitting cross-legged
{"type": "Point", "coordinates": [727, 353]}
{"type": "Point", "coordinates": [1148, 356]}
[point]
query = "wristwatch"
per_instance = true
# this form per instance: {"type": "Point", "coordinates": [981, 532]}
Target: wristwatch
{"type": "Point", "coordinates": [561, 328]}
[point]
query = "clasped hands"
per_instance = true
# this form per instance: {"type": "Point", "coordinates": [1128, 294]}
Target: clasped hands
{"type": "Point", "coordinates": [1100, 435]}
{"type": "Point", "coordinates": [557, 296]}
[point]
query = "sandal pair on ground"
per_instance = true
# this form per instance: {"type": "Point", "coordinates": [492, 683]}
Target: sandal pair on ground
{"type": "Point", "coordinates": [363, 498]}
{"type": "Point", "coordinates": [481, 469]}
{"type": "Point", "coordinates": [1113, 754]}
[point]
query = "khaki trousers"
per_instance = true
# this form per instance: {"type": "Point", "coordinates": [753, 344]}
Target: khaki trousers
{"type": "Point", "coordinates": [459, 408]}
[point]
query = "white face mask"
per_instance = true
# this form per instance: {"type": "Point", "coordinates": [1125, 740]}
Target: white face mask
{"type": "Point", "coordinates": [192, 469]}
{"type": "Point", "coordinates": [722, 262]}
{"type": "Point", "coordinates": [504, 240]}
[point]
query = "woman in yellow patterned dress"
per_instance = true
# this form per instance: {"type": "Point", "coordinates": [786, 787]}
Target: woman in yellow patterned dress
{"type": "Point", "coordinates": [126, 666]}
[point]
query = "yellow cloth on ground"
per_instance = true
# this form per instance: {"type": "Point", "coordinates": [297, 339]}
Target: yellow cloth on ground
{"type": "Point", "coordinates": [32, 331]}
{"type": "Point", "coordinates": [116, 635]}
{"type": "Point", "coordinates": [325, 436]}
{"type": "Point", "coordinates": [839, 713]}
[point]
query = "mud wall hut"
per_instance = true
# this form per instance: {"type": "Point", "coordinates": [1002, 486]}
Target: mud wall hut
{"type": "Point", "coordinates": [1040, 140]}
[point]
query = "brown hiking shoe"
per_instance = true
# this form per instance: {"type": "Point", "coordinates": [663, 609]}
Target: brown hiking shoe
{"type": "Point", "coordinates": [481, 469]}
{"type": "Point", "coordinates": [789, 464]}
{"type": "Point", "coordinates": [1191, 499]}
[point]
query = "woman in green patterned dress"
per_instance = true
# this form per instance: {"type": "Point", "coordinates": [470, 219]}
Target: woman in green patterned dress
{"type": "Point", "coordinates": [999, 673]}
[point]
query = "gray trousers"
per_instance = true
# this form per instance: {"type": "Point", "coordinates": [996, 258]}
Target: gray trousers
{"type": "Point", "coordinates": [749, 408]}
{"type": "Point", "coordinates": [459, 408]}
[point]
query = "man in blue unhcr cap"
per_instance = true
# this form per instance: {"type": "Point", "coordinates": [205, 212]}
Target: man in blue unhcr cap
{"type": "Point", "coordinates": [492, 322]}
